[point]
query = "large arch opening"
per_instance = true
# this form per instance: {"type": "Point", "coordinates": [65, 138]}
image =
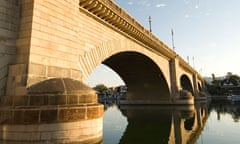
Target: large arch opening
{"type": "Point", "coordinates": [143, 78]}
{"type": "Point", "coordinates": [186, 83]}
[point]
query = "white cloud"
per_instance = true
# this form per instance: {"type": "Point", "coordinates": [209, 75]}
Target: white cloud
{"type": "Point", "coordinates": [207, 14]}
{"type": "Point", "coordinates": [186, 16]}
{"type": "Point", "coordinates": [196, 6]}
{"type": "Point", "coordinates": [186, 1]}
{"type": "Point", "coordinates": [144, 3]}
{"type": "Point", "coordinates": [160, 5]}
{"type": "Point", "coordinates": [130, 3]}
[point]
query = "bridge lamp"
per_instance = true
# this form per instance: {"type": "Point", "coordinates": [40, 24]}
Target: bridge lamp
{"type": "Point", "coordinates": [150, 23]}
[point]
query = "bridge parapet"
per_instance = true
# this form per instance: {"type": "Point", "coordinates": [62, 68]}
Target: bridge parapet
{"type": "Point", "coordinates": [109, 12]}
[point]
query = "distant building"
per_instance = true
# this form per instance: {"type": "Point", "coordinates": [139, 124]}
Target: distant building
{"type": "Point", "coordinates": [121, 89]}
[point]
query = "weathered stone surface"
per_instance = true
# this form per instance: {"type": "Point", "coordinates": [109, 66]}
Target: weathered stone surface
{"type": "Point", "coordinates": [73, 114]}
{"type": "Point", "coordinates": [65, 86]}
{"type": "Point", "coordinates": [20, 101]}
{"type": "Point", "coordinates": [38, 100]}
{"type": "Point", "coordinates": [49, 116]}
{"type": "Point", "coordinates": [57, 100]}
{"type": "Point", "coordinates": [88, 131]}
{"type": "Point", "coordinates": [185, 94]}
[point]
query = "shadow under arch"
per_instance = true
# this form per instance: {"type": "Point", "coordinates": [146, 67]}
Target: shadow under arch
{"type": "Point", "coordinates": [143, 77]}
{"type": "Point", "coordinates": [199, 87]}
{"type": "Point", "coordinates": [186, 83]}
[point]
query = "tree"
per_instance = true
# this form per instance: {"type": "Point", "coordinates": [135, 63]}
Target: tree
{"type": "Point", "coordinates": [232, 78]}
{"type": "Point", "coordinates": [213, 77]}
{"type": "Point", "coordinates": [100, 88]}
{"type": "Point", "coordinates": [229, 74]}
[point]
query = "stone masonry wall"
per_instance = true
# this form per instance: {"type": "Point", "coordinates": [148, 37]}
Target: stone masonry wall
{"type": "Point", "coordinates": [17, 79]}
{"type": "Point", "coordinates": [9, 23]}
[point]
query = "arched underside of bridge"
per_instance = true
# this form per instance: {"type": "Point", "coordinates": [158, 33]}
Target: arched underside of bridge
{"type": "Point", "coordinates": [143, 77]}
{"type": "Point", "coordinates": [186, 83]}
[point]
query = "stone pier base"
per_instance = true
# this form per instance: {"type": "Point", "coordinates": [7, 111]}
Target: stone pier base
{"type": "Point", "coordinates": [58, 110]}
{"type": "Point", "coordinates": [54, 124]}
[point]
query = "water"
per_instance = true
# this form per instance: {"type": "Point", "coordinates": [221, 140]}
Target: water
{"type": "Point", "coordinates": [202, 124]}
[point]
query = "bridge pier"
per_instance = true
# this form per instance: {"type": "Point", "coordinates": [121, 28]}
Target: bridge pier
{"type": "Point", "coordinates": [173, 77]}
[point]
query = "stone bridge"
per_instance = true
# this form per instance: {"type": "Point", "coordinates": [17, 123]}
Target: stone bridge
{"type": "Point", "coordinates": [46, 39]}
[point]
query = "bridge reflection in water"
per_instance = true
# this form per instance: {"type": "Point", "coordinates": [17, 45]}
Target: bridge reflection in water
{"type": "Point", "coordinates": [164, 124]}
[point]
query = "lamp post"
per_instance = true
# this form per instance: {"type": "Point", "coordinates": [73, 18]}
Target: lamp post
{"type": "Point", "coordinates": [150, 23]}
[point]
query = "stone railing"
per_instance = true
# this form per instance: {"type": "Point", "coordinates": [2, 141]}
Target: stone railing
{"type": "Point", "coordinates": [110, 12]}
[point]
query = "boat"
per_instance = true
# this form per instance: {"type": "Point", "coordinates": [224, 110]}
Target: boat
{"type": "Point", "coordinates": [234, 96]}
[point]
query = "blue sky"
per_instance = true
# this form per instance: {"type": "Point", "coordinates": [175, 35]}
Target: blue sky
{"type": "Point", "coordinates": [206, 31]}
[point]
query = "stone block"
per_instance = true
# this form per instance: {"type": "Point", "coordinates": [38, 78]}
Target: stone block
{"type": "Point", "coordinates": [95, 111]}
{"type": "Point", "coordinates": [18, 117]}
{"type": "Point", "coordinates": [18, 69]}
{"type": "Point", "coordinates": [76, 74]}
{"type": "Point", "coordinates": [72, 99]}
{"type": "Point", "coordinates": [31, 116]}
{"type": "Point", "coordinates": [20, 100]}
{"type": "Point", "coordinates": [59, 134]}
{"type": "Point", "coordinates": [3, 81]}
{"type": "Point", "coordinates": [6, 117]}
{"type": "Point", "coordinates": [57, 72]}
{"type": "Point", "coordinates": [57, 100]}
{"type": "Point", "coordinates": [46, 136]}
{"type": "Point", "coordinates": [87, 99]}
{"type": "Point", "coordinates": [2, 92]}
{"type": "Point", "coordinates": [20, 91]}
{"type": "Point", "coordinates": [22, 58]}
{"type": "Point", "coordinates": [73, 114]}
{"type": "Point", "coordinates": [37, 69]}
{"type": "Point", "coordinates": [6, 101]}
{"type": "Point", "coordinates": [34, 79]}
{"type": "Point", "coordinates": [49, 116]}
{"type": "Point", "coordinates": [38, 100]}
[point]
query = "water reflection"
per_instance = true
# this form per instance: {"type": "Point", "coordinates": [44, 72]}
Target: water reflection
{"type": "Point", "coordinates": [162, 124]}
{"type": "Point", "coordinates": [226, 108]}
{"type": "Point", "coordinates": [222, 125]}
{"type": "Point", "coordinates": [146, 125]}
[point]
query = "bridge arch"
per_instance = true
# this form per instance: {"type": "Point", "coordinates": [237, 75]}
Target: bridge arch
{"type": "Point", "coordinates": [186, 83]}
{"type": "Point", "coordinates": [143, 77]}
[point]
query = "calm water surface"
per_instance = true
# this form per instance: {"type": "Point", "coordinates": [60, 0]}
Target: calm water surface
{"type": "Point", "coordinates": [201, 124]}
